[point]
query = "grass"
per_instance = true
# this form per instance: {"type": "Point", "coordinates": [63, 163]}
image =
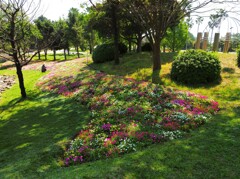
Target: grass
{"type": "Point", "coordinates": [33, 132]}
{"type": "Point", "coordinates": [59, 57]}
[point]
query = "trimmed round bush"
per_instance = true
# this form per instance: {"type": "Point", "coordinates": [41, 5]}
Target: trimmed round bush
{"type": "Point", "coordinates": [196, 67]}
{"type": "Point", "coordinates": [147, 47]}
{"type": "Point", "coordinates": [103, 53]}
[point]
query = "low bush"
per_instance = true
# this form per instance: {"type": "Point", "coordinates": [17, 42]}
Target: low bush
{"type": "Point", "coordinates": [196, 67]}
{"type": "Point", "coordinates": [103, 53]}
{"type": "Point", "coordinates": [122, 48]}
{"type": "Point", "coordinates": [147, 47]}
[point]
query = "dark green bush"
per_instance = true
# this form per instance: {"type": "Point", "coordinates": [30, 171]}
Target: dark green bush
{"type": "Point", "coordinates": [196, 67]}
{"type": "Point", "coordinates": [147, 47]}
{"type": "Point", "coordinates": [103, 53]}
{"type": "Point", "coordinates": [238, 58]}
{"type": "Point", "coordinates": [122, 48]}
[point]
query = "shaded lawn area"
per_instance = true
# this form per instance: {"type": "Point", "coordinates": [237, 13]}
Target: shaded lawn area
{"type": "Point", "coordinates": [33, 134]}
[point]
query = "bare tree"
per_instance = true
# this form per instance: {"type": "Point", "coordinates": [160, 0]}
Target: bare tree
{"type": "Point", "coordinates": [16, 31]}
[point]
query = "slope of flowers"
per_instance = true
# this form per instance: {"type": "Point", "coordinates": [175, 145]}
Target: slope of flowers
{"type": "Point", "coordinates": [126, 115]}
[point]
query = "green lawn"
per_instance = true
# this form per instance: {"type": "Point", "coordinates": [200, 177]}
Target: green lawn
{"type": "Point", "coordinates": [59, 57]}
{"type": "Point", "coordinates": [34, 132]}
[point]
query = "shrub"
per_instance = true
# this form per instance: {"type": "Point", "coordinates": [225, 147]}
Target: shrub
{"type": "Point", "coordinates": [238, 58]}
{"type": "Point", "coordinates": [196, 67]}
{"type": "Point", "coordinates": [103, 53]}
{"type": "Point", "coordinates": [122, 48]}
{"type": "Point", "coordinates": [147, 47]}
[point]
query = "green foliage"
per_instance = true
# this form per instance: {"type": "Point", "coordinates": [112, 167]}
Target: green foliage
{"type": "Point", "coordinates": [196, 67]}
{"type": "Point", "coordinates": [147, 47]}
{"type": "Point", "coordinates": [238, 58]}
{"type": "Point", "coordinates": [122, 48]}
{"type": "Point", "coordinates": [103, 53]}
{"type": "Point", "coordinates": [176, 37]}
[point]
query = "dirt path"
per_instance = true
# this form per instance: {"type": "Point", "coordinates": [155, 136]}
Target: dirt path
{"type": "Point", "coordinates": [6, 82]}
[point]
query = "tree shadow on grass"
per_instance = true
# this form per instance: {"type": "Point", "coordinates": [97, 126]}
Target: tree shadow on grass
{"type": "Point", "coordinates": [34, 133]}
{"type": "Point", "coordinates": [228, 70]}
{"type": "Point", "coordinates": [132, 63]}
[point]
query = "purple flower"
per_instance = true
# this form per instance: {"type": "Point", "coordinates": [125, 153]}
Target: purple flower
{"type": "Point", "coordinates": [180, 102]}
{"type": "Point", "coordinates": [106, 127]}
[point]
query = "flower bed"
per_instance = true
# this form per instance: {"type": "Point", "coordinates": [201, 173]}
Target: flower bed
{"type": "Point", "coordinates": [126, 115]}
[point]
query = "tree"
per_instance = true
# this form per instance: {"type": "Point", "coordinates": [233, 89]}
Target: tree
{"type": "Point", "coordinates": [112, 8]}
{"type": "Point", "coordinates": [198, 21]}
{"type": "Point", "coordinates": [75, 28]}
{"type": "Point", "coordinates": [46, 28]}
{"type": "Point", "coordinates": [89, 32]}
{"type": "Point", "coordinates": [156, 16]}
{"type": "Point", "coordinates": [235, 40]}
{"type": "Point", "coordinates": [15, 32]}
{"type": "Point", "coordinates": [176, 36]}
{"type": "Point", "coordinates": [215, 20]}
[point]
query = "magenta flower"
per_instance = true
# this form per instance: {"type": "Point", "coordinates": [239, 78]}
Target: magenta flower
{"type": "Point", "coordinates": [106, 127]}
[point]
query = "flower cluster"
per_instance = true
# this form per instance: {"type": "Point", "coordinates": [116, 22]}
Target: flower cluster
{"type": "Point", "coordinates": [126, 114]}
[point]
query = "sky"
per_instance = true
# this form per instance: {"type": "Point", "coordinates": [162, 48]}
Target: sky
{"type": "Point", "coordinates": [55, 9]}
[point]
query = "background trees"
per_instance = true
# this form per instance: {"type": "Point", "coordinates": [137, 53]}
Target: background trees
{"type": "Point", "coordinates": [176, 37]}
{"type": "Point", "coordinates": [75, 33]}
{"type": "Point", "coordinates": [45, 26]}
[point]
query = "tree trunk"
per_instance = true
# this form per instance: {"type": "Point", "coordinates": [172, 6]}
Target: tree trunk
{"type": "Point", "coordinates": [90, 48]}
{"type": "Point", "coordinates": [54, 55]}
{"type": "Point", "coordinates": [68, 51]}
{"type": "Point", "coordinates": [129, 45]}
{"type": "Point", "coordinates": [78, 52]}
{"type": "Point", "coordinates": [91, 42]}
{"type": "Point", "coordinates": [20, 79]}
{"type": "Point", "coordinates": [39, 55]}
{"type": "Point", "coordinates": [164, 48]}
{"type": "Point", "coordinates": [65, 55]}
{"type": "Point", "coordinates": [15, 56]}
{"type": "Point", "coordinates": [174, 39]}
{"type": "Point", "coordinates": [139, 43]}
{"type": "Point", "coordinates": [115, 32]}
{"type": "Point", "coordinates": [45, 54]}
{"type": "Point", "coordinates": [156, 62]}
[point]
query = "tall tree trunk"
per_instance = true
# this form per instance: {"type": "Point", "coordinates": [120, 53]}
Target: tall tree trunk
{"type": "Point", "coordinates": [156, 62]}
{"type": "Point", "coordinates": [20, 79]}
{"type": "Point", "coordinates": [164, 48]}
{"type": "Point", "coordinates": [129, 45]}
{"type": "Point", "coordinates": [65, 55]}
{"type": "Point", "coordinates": [15, 56]}
{"type": "Point", "coordinates": [39, 55]}
{"type": "Point", "coordinates": [54, 55]}
{"type": "Point", "coordinates": [68, 51]}
{"type": "Point", "coordinates": [114, 9]}
{"type": "Point", "coordinates": [90, 48]}
{"type": "Point", "coordinates": [91, 43]}
{"type": "Point", "coordinates": [139, 43]}
{"type": "Point", "coordinates": [45, 54]}
{"type": "Point", "coordinates": [78, 52]}
{"type": "Point", "coordinates": [174, 39]}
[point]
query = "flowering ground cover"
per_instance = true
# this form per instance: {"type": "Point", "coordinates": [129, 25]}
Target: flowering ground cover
{"type": "Point", "coordinates": [126, 115]}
